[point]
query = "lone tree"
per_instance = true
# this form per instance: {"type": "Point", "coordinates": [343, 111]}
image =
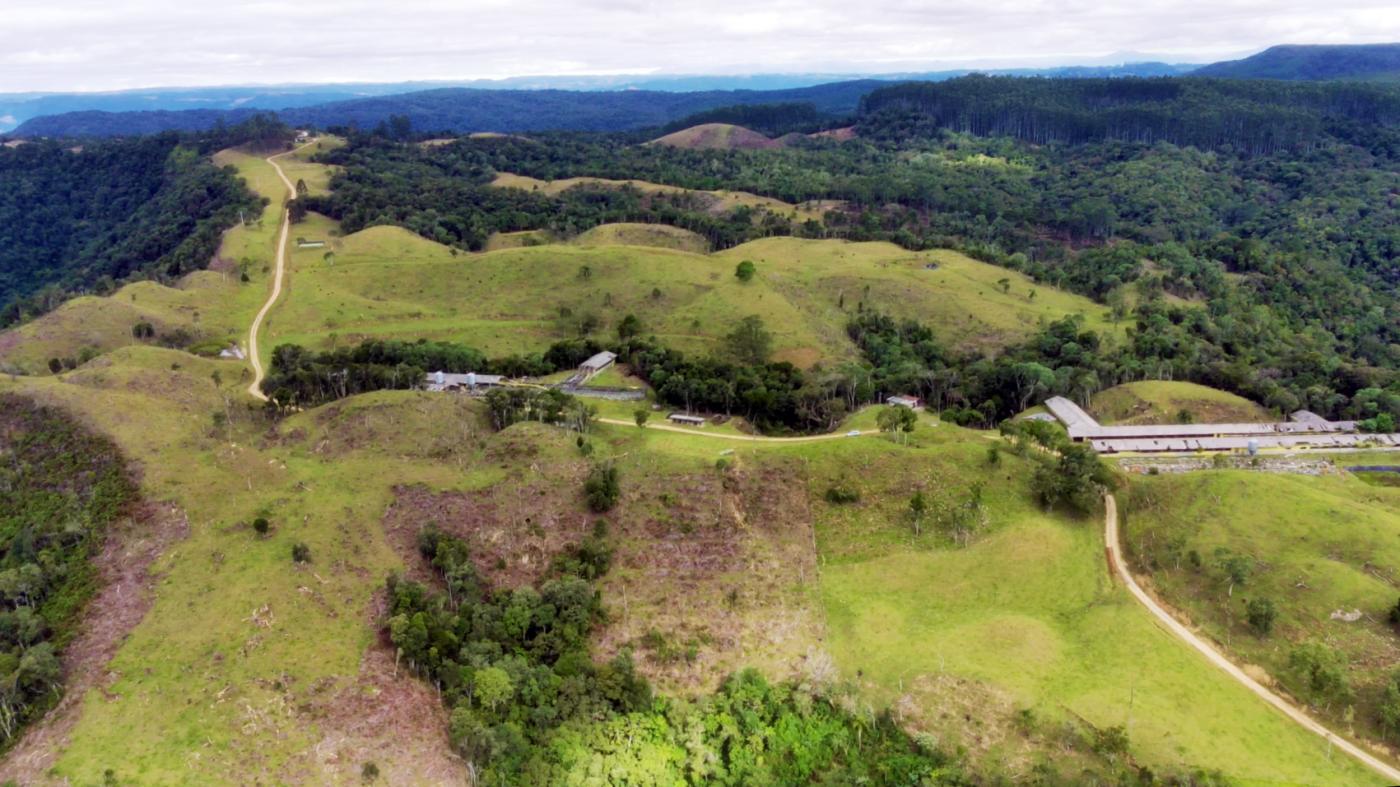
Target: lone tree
{"type": "Point", "coordinates": [1076, 478]}
{"type": "Point", "coordinates": [1260, 613]}
{"type": "Point", "coordinates": [898, 420]}
{"type": "Point", "coordinates": [918, 509]}
{"type": "Point", "coordinates": [641, 414]}
{"type": "Point", "coordinates": [750, 341]}
{"type": "Point", "coordinates": [301, 188]}
{"type": "Point", "coordinates": [602, 488]}
{"type": "Point", "coordinates": [744, 271]}
{"type": "Point", "coordinates": [628, 327]}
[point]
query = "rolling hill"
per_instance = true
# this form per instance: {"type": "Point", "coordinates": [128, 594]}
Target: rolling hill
{"type": "Point", "coordinates": [386, 282]}
{"type": "Point", "coordinates": [1379, 62]}
{"type": "Point", "coordinates": [715, 136]}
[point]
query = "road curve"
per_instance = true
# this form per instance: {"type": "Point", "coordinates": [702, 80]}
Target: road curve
{"type": "Point", "coordinates": [254, 388]}
{"type": "Point", "coordinates": [725, 436]}
{"type": "Point", "coordinates": [1120, 567]}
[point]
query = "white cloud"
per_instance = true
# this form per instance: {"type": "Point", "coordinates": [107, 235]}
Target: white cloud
{"type": "Point", "coordinates": [97, 45]}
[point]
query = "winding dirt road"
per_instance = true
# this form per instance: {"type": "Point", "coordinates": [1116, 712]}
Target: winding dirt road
{"type": "Point", "coordinates": [1120, 567]}
{"type": "Point", "coordinates": [254, 388]}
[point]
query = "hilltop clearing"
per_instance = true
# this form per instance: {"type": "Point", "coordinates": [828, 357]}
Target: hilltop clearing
{"type": "Point", "coordinates": [657, 235]}
{"type": "Point", "coordinates": [1166, 402]}
{"type": "Point", "coordinates": [717, 201]}
{"type": "Point", "coordinates": [716, 136]}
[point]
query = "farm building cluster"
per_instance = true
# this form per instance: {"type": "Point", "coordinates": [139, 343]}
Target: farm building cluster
{"type": "Point", "coordinates": [1303, 430]}
{"type": "Point", "coordinates": [576, 384]}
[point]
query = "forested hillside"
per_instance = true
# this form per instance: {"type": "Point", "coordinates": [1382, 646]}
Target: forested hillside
{"type": "Point", "coordinates": [1315, 62]}
{"type": "Point", "coordinates": [84, 218]}
{"type": "Point", "coordinates": [63, 487]}
{"type": "Point", "coordinates": [1251, 117]}
{"type": "Point", "coordinates": [1260, 267]}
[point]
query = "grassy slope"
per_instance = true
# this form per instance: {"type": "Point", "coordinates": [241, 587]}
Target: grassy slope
{"type": "Point", "coordinates": [388, 282]}
{"type": "Point", "coordinates": [1026, 613]}
{"type": "Point", "coordinates": [1318, 545]}
{"type": "Point", "coordinates": [1161, 402]}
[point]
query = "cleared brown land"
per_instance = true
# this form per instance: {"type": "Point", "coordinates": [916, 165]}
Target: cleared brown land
{"type": "Point", "coordinates": [716, 136]}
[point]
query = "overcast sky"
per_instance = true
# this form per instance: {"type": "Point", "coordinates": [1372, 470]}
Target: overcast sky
{"type": "Point", "coordinates": [61, 45]}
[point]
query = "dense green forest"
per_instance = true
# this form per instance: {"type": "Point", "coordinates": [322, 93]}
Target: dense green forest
{"type": "Point", "coordinates": [1269, 273]}
{"type": "Point", "coordinates": [63, 486]}
{"type": "Point", "coordinates": [75, 219]}
{"type": "Point", "coordinates": [1253, 117]}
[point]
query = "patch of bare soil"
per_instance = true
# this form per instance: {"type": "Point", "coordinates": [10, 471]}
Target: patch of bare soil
{"type": "Point", "coordinates": [986, 724]}
{"type": "Point", "coordinates": [127, 593]}
{"type": "Point", "coordinates": [385, 716]}
{"type": "Point", "coordinates": [713, 573]}
{"type": "Point", "coordinates": [513, 529]}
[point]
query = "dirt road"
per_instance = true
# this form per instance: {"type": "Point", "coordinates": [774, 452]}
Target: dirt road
{"type": "Point", "coordinates": [254, 387]}
{"type": "Point", "coordinates": [1391, 774]}
{"type": "Point", "coordinates": [726, 436]}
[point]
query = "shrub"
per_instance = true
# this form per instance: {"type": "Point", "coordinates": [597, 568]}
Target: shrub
{"type": "Point", "coordinates": [261, 525]}
{"type": "Point", "coordinates": [840, 494]}
{"type": "Point", "coordinates": [369, 772]}
{"type": "Point", "coordinates": [602, 488]}
{"type": "Point", "coordinates": [744, 271]}
{"type": "Point", "coordinates": [1260, 613]}
{"type": "Point", "coordinates": [301, 553]}
{"type": "Point", "coordinates": [1321, 670]}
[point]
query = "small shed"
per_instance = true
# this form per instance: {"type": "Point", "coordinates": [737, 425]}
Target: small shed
{"type": "Point", "coordinates": [685, 419]}
{"type": "Point", "coordinates": [912, 402]}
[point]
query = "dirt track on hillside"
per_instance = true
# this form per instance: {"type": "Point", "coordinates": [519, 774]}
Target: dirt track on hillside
{"type": "Point", "coordinates": [1215, 657]}
{"type": "Point", "coordinates": [254, 387]}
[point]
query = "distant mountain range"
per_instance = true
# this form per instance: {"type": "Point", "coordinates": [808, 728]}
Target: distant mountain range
{"type": "Point", "coordinates": [589, 103]}
{"type": "Point", "coordinates": [187, 109]}
{"type": "Point", "coordinates": [1297, 62]}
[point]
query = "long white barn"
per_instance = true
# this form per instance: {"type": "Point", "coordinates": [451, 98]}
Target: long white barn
{"type": "Point", "coordinates": [1304, 430]}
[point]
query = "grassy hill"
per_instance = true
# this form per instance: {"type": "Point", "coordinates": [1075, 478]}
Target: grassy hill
{"type": "Point", "coordinates": [387, 282]}
{"type": "Point", "coordinates": [1170, 402]}
{"type": "Point", "coordinates": [715, 136]}
{"type": "Point", "coordinates": [1319, 549]}
{"type": "Point", "coordinates": [1313, 62]}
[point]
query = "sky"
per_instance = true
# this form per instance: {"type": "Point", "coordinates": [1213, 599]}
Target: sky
{"type": "Point", "coordinates": [84, 45]}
